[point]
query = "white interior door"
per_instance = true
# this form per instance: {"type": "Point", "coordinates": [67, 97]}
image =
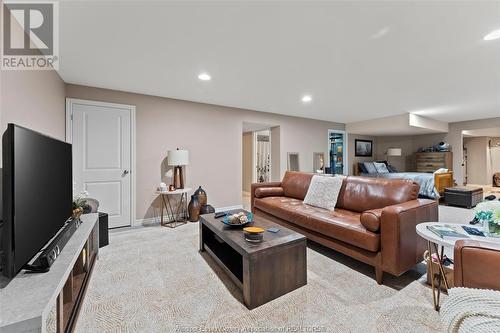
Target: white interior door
{"type": "Point", "coordinates": [101, 134]}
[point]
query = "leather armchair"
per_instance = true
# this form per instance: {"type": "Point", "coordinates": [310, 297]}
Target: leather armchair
{"type": "Point", "coordinates": [477, 264]}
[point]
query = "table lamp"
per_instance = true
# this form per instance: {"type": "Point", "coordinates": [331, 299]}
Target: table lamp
{"type": "Point", "coordinates": [177, 158]}
{"type": "Point", "coordinates": [393, 152]}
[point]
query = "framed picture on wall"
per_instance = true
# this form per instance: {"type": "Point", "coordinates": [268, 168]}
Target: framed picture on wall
{"type": "Point", "coordinates": [363, 148]}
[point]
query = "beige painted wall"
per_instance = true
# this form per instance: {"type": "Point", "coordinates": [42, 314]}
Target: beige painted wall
{"type": "Point", "coordinates": [275, 154]}
{"type": "Point", "coordinates": [213, 136]}
{"type": "Point", "coordinates": [247, 160]}
{"type": "Point", "coordinates": [409, 145]}
{"type": "Point", "coordinates": [34, 99]}
{"type": "Point", "coordinates": [455, 139]}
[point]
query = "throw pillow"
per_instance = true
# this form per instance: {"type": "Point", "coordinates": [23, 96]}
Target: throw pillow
{"type": "Point", "coordinates": [323, 192]}
{"type": "Point", "coordinates": [370, 167]}
{"type": "Point", "coordinates": [381, 167]}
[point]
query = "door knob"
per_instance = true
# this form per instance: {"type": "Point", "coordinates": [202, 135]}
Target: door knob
{"type": "Point", "coordinates": [125, 172]}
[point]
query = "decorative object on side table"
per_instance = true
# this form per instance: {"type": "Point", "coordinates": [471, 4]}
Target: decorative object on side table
{"type": "Point", "coordinates": [178, 158]}
{"type": "Point", "coordinates": [194, 208]}
{"type": "Point", "coordinates": [488, 215]}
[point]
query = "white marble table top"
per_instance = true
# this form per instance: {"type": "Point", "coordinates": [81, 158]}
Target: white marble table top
{"type": "Point", "coordinates": [26, 300]}
{"type": "Point", "coordinates": [178, 191]}
{"type": "Point", "coordinates": [426, 234]}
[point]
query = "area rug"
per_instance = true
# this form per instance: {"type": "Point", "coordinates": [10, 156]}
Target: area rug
{"type": "Point", "coordinates": [153, 279]}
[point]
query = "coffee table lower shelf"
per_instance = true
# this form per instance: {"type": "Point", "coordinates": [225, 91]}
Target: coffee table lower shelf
{"type": "Point", "coordinates": [262, 275]}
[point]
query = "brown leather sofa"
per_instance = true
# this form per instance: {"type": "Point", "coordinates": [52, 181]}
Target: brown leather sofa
{"type": "Point", "coordinates": [477, 264]}
{"type": "Point", "coordinates": [374, 219]}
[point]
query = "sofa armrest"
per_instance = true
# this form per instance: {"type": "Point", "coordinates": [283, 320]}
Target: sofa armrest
{"type": "Point", "coordinates": [477, 264]}
{"type": "Point", "coordinates": [401, 247]}
{"type": "Point", "coordinates": [255, 186]}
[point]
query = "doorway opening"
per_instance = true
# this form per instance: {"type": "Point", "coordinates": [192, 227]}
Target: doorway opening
{"type": "Point", "coordinates": [481, 159]}
{"type": "Point", "coordinates": [260, 156]}
{"type": "Point", "coordinates": [337, 152]}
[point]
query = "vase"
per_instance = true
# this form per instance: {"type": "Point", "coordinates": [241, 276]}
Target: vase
{"type": "Point", "coordinates": [202, 196]}
{"type": "Point", "coordinates": [194, 209]}
{"type": "Point", "coordinates": [207, 209]}
{"type": "Point", "coordinates": [494, 228]}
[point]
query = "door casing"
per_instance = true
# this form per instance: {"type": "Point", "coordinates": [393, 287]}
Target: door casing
{"type": "Point", "coordinates": [69, 139]}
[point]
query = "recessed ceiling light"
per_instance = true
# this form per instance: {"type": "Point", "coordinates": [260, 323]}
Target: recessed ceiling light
{"type": "Point", "coordinates": [204, 77]}
{"type": "Point", "coordinates": [495, 34]}
{"type": "Point", "coordinates": [306, 98]}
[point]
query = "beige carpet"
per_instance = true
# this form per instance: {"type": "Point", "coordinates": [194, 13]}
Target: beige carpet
{"type": "Point", "coordinates": [153, 279]}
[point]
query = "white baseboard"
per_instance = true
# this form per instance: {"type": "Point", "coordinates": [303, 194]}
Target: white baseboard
{"type": "Point", "coordinates": [150, 221]}
{"type": "Point", "coordinates": [223, 209]}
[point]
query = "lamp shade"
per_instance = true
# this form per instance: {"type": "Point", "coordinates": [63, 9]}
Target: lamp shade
{"type": "Point", "coordinates": [394, 152]}
{"type": "Point", "coordinates": [178, 157]}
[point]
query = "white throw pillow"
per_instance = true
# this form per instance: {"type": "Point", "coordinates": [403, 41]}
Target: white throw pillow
{"type": "Point", "coordinates": [381, 167]}
{"type": "Point", "coordinates": [323, 192]}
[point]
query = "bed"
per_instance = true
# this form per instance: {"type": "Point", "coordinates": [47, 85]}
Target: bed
{"type": "Point", "coordinates": [432, 185]}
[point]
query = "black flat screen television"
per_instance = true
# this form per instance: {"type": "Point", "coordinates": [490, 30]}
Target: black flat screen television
{"type": "Point", "coordinates": [37, 185]}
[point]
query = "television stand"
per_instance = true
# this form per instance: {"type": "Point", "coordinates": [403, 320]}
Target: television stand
{"type": "Point", "coordinates": [30, 297]}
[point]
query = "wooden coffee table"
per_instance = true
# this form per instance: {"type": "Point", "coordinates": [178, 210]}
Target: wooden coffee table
{"type": "Point", "coordinates": [263, 271]}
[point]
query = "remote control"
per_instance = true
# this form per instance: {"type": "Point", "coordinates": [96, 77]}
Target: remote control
{"type": "Point", "coordinates": [220, 214]}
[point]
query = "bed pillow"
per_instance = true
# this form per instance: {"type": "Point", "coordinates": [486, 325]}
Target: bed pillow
{"type": "Point", "coordinates": [392, 169]}
{"type": "Point", "coordinates": [323, 192]}
{"type": "Point", "coordinates": [362, 168]}
{"type": "Point", "coordinates": [380, 167]}
{"type": "Point", "coordinates": [370, 167]}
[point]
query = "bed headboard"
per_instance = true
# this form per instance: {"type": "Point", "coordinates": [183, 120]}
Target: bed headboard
{"type": "Point", "coordinates": [355, 169]}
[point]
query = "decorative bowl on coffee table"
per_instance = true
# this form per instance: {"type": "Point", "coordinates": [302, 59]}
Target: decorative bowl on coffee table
{"type": "Point", "coordinates": [244, 219]}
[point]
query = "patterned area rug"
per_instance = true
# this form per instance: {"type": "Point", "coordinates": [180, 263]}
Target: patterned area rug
{"type": "Point", "coordinates": [153, 279]}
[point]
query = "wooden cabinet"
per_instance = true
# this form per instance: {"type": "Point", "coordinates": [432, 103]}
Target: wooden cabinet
{"type": "Point", "coordinates": [430, 162]}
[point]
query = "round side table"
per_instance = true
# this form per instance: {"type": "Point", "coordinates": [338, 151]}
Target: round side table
{"type": "Point", "coordinates": [437, 244]}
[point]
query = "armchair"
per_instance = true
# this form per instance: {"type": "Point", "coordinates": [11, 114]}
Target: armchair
{"type": "Point", "coordinates": [477, 264]}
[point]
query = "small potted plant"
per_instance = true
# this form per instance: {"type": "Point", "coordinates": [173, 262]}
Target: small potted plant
{"type": "Point", "coordinates": [79, 203]}
{"type": "Point", "coordinates": [488, 213]}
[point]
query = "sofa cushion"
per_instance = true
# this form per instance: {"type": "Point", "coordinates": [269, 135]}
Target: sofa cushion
{"type": "Point", "coordinates": [364, 193]}
{"type": "Point", "coordinates": [370, 219]}
{"type": "Point", "coordinates": [340, 224]}
{"type": "Point", "coordinates": [262, 192]}
{"type": "Point", "coordinates": [295, 184]}
{"type": "Point", "coordinates": [323, 192]}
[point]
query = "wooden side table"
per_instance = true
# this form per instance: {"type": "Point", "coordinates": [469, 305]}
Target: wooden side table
{"type": "Point", "coordinates": [177, 212]}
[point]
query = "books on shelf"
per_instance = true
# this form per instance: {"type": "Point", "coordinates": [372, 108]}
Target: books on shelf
{"type": "Point", "coordinates": [447, 231]}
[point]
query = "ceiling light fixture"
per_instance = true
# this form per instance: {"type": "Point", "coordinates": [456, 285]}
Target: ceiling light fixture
{"type": "Point", "coordinates": [204, 77]}
{"type": "Point", "coordinates": [495, 34]}
{"type": "Point", "coordinates": [306, 98]}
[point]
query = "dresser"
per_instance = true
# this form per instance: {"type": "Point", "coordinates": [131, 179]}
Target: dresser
{"type": "Point", "coordinates": [430, 162]}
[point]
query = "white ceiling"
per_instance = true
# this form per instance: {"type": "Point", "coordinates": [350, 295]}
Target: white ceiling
{"type": "Point", "coordinates": [359, 60]}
